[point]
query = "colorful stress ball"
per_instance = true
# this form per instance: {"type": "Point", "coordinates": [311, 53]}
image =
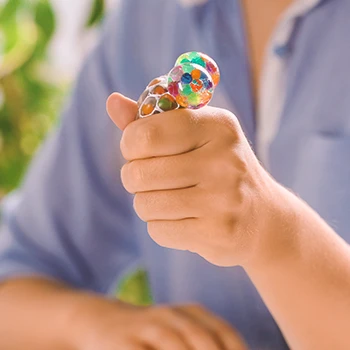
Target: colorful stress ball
{"type": "Point", "coordinates": [190, 84]}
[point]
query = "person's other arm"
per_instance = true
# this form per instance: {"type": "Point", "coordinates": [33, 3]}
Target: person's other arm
{"type": "Point", "coordinates": [200, 188]}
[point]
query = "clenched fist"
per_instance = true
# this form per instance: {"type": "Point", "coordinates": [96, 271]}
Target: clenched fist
{"type": "Point", "coordinates": [196, 181]}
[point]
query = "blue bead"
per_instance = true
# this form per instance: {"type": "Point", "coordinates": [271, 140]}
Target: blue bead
{"type": "Point", "coordinates": [186, 78]}
{"type": "Point", "coordinates": [207, 84]}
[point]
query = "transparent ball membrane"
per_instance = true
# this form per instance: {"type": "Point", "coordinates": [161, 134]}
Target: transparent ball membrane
{"type": "Point", "coordinates": [190, 84]}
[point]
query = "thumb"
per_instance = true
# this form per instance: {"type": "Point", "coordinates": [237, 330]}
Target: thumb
{"type": "Point", "coordinates": [121, 110]}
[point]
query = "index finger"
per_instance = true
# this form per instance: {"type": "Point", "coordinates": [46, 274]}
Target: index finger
{"type": "Point", "coordinates": [164, 134]}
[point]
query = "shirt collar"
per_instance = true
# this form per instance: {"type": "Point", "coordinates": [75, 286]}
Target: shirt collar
{"type": "Point", "coordinates": [285, 27]}
{"type": "Point", "coordinates": [192, 3]}
{"type": "Point", "coordinates": [301, 4]}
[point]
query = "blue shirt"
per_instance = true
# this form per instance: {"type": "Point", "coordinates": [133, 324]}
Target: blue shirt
{"type": "Point", "coordinates": [73, 221]}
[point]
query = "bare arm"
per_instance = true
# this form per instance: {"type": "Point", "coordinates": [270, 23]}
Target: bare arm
{"type": "Point", "coordinates": [307, 284]}
{"type": "Point", "coordinates": [36, 314]}
{"type": "Point", "coordinates": [41, 314]}
{"type": "Point", "coordinates": [222, 205]}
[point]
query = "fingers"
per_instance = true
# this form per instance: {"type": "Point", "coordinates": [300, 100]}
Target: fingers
{"type": "Point", "coordinates": [162, 336]}
{"type": "Point", "coordinates": [163, 173]}
{"type": "Point", "coordinates": [196, 336]}
{"type": "Point", "coordinates": [164, 134]}
{"type": "Point", "coordinates": [223, 332]}
{"type": "Point", "coordinates": [121, 110]}
{"type": "Point", "coordinates": [180, 234]}
{"type": "Point", "coordinates": [169, 205]}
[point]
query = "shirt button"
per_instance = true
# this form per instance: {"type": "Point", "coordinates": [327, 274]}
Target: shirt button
{"type": "Point", "coordinates": [281, 50]}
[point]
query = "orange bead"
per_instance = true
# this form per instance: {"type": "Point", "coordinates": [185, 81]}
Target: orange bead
{"type": "Point", "coordinates": [181, 101]}
{"type": "Point", "coordinates": [196, 74]}
{"type": "Point", "coordinates": [147, 109]}
{"type": "Point", "coordinates": [196, 85]}
{"type": "Point", "coordinates": [216, 78]}
{"type": "Point", "coordinates": [159, 90]}
{"type": "Point", "coordinates": [154, 82]}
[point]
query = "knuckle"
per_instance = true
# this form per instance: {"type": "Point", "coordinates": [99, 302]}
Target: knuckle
{"type": "Point", "coordinates": [134, 176]}
{"type": "Point", "coordinates": [147, 136]}
{"type": "Point", "coordinates": [154, 331]}
{"type": "Point", "coordinates": [138, 173]}
{"type": "Point", "coordinates": [165, 312]}
{"type": "Point", "coordinates": [231, 125]}
{"type": "Point", "coordinates": [240, 161]}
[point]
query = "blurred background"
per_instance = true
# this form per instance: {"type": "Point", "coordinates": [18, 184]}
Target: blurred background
{"type": "Point", "coordinates": [42, 45]}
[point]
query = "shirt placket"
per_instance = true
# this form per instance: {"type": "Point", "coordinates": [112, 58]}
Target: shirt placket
{"type": "Point", "coordinates": [274, 77]}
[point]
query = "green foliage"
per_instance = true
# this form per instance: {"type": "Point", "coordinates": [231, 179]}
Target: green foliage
{"type": "Point", "coordinates": [135, 289]}
{"type": "Point", "coordinates": [96, 13]}
{"type": "Point", "coordinates": [30, 101]}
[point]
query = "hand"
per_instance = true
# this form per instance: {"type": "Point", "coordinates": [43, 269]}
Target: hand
{"type": "Point", "coordinates": [196, 181]}
{"type": "Point", "coordinates": [112, 325]}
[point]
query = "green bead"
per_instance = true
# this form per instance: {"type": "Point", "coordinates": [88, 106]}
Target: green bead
{"type": "Point", "coordinates": [193, 98]}
{"type": "Point", "coordinates": [199, 61]}
{"type": "Point", "coordinates": [193, 55]}
{"type": "Point", "coordinates": [184, 60]}
{"type": "Point", "coordinates": [167, 103]}
{"type": "Point", "coordinates": [187, 68]}
{"type": "Point", "coordinates": [186, 90]}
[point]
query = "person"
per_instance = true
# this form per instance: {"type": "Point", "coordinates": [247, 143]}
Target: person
{"type": "Point", "coordinates": [71, 233]}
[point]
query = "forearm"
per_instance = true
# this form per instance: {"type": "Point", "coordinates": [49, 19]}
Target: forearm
{"type": "Point", "coordinates": [37, 314]}
{"type": "Point", "coordinates": [307, 285]}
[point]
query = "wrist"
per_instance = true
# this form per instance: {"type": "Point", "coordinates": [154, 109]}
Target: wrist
{"type": "Point", "coordinates": [280, 216]}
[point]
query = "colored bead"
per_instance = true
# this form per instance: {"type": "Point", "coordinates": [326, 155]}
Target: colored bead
{"type": "Point", "coordinates": [196, 74]}
{"type": "Point", "coordinates": [173, 89]}
{"type": "Point", "coordinates": [184, 60]}
{"type": "Point", "coordinates": [193, 99]}
{"type": "Point", "coordinates": [211, 67]}
{"type": "Point", "coordinates": [154, 82]}
{"type": "Point", "coordinates": [190, 84]}
{"type": "Point", "coordinates": [182, 101]}
{"type": "Point", "coordinates": [196, 85]}
{"type": "Point", "coordinates": [159, 90]}
{"type": "Point", "coordinates": [216, 79]}
{"type": "Point", "coordinates": [188, 68]}
{"type": "Point", "coordinates": [193, 55]}
{"type": "Point", "coordinates": [167, 103]}
{"type": "Point", "coordinates": [186, 78]}
{"type": "Point", "coordinates": [207, 84]}
{"type": "Point", "coordinates": [199, 61]}
{"type": "Point", "coordinates": [148, 106]}
{"type": "Point", "coordinates": [142, 97]}
{"type": "Point", "coordinates": [176, 73]}
{"type": "Point", "coordinates": [186, 90]}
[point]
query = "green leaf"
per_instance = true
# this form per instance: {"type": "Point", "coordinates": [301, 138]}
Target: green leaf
{"type": "Point", "coordinates": [9, 10]}
{"type": "Point", "coordinates": [45, 19]}
{"type": "Point", "coordinates": [135, 289]}
{"type": "Point", "coordinates": [96, 14]}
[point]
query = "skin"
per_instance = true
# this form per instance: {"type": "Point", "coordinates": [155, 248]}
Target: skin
{"type": "Point", "coordinates": [233, 212]}
{"type": "Point", "coordinates": [261, 19]}
{"type": "Point", "coordinates": [198, 185]}
{"type": "Point", "coordinates": [74, 320]}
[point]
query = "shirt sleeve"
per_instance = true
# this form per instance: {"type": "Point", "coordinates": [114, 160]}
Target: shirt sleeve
{"type": "Point", "coordinates": [72, 220]}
